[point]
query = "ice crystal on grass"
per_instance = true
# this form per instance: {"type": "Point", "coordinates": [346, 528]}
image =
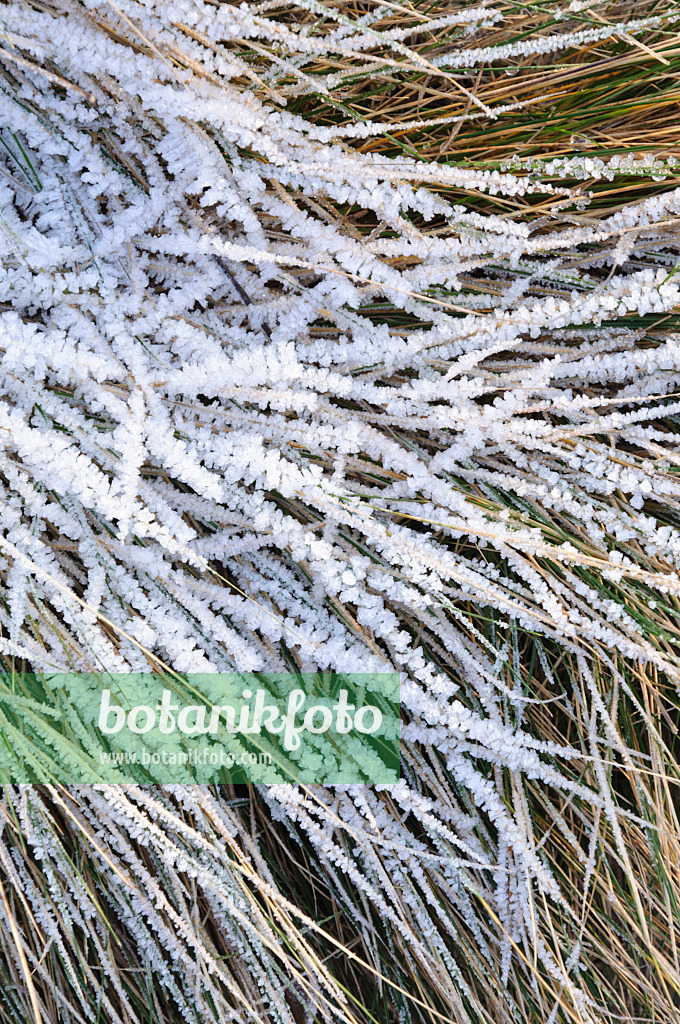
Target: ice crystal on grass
{"type": "Point", "coordinates": [281, 392]}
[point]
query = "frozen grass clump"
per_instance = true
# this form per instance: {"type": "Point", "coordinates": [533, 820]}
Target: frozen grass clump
{"type": "Point", "coordinates": [346, 336]}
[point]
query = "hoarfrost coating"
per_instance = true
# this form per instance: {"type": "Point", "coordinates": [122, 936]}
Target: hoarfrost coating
{"type": "Point", "coordinates": [217, 454]}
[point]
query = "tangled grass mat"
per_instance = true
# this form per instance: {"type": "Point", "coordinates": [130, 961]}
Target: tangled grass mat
{"type": "Point", "coordinates": [345, 336]}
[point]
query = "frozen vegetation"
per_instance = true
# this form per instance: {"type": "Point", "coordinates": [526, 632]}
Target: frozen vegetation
{"type": "Point", "coordinates": [291, 383]}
